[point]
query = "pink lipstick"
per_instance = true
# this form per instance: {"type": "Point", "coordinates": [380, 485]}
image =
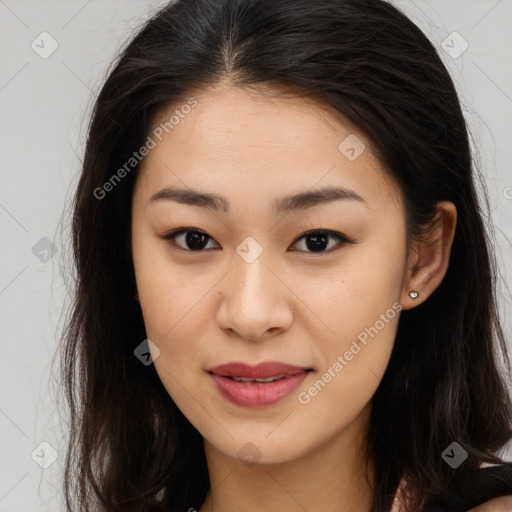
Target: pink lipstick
{"type": "Point", "coordinates": [257, 386]}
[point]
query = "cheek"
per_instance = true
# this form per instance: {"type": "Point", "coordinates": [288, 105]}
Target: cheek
{"type": "Point", "coordinates": [361, 309]}
{"type": "Point", "coordinates": [174, 310]}
{"type": "Point", "coordinates": [168, 293]}
{"type": "Point", "coordinates": [355, 358]}
{"type": "Point", "coordinates": [357, 292]}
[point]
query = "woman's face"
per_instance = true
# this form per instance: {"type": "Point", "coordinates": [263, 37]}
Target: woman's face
{"type": "Point", "coordinates": [245, 285]}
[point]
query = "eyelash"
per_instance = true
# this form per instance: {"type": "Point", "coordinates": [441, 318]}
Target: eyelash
{"type": "Point", "coordinates": [343, 240]}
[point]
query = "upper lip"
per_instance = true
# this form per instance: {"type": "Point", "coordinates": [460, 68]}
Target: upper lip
{"type": "Point", "coordinates": [261, 370]}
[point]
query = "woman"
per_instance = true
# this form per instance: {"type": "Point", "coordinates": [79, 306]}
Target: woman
{"type": "Point", "coordinates": [285, 291]}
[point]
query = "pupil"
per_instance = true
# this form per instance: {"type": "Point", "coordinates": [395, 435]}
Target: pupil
{"type": "Point", "coordinates": [319, 242]}
{"type": "Point", "coordinates": [193, 240]}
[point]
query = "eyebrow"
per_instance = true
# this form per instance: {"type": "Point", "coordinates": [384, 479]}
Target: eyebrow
{"type": "Point", "coordinates": [295, 202]}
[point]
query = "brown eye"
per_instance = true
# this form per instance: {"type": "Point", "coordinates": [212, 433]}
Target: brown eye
{"type": "Point", "coordinates": [190, 239]}
{"type": "Point", "coordinates": [318, 241]}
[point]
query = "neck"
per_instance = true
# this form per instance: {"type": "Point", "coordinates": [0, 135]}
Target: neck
{"type": "Point", "coordinates": [328, 478]}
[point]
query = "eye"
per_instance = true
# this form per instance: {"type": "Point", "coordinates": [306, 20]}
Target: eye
{"type": "Point", "coordinates": [316, 241]}
{"type": "Point", "coordinates": [193, 239]}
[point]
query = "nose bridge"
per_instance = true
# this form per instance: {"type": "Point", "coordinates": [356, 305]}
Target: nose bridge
{"type": "Point", "coordinates": [251, 273]}
{"type": "Point", "coordinates": [253, 280]}
{"type": "Point", "coordinates": [254, 285]}
{"type": "Point", "coordinates": [253, 299]}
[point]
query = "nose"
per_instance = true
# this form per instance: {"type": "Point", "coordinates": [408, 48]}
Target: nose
{"type": "Point", "coordinates": [255, 302]}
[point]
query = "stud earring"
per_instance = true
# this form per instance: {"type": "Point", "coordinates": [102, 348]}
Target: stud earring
{"type": "Point", "coordinates": [413, 294]}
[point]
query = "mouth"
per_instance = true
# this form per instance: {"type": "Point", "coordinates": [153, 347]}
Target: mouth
{"type": "Point", "coordinates": [265, 370]}
{"type": "Point", "coordinates": [260, 380]}
{"type": "Point", "coordinates": [257, 386]}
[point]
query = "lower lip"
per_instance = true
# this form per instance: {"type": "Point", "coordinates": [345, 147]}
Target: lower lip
{"type": "Point", "coordinates": [258, 394]}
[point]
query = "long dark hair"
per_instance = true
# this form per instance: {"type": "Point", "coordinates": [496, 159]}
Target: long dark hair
{"type": "Point", "coordinates": [130, 446]}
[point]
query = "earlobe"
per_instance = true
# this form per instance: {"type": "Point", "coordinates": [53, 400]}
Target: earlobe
{"type": "Point", "coordinates": [431, 257]}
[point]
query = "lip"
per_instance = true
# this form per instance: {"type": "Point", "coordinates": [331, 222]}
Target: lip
{"type": "Point", "coordinates": [255, 394]}
{"type": "Point", "coordinates": [261, 370]}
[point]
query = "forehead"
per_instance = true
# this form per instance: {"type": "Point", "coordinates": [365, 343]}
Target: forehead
{"type": "Point", "coordinates": [261, 140]}
{"type": "Point", "coordinates": [262, 117]}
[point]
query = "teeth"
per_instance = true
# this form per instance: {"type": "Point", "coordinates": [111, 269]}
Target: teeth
{"type": "Point", "coordinates": [266, 379]}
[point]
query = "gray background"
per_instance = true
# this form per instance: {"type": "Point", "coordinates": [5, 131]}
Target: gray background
{"type": "Point", "coordinates": [45, 104]}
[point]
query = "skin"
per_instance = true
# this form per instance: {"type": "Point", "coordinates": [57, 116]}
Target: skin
{"type": "Point", "coordinates": [305, 308]}
{"type": "Point", "coordinates": [502, 504]}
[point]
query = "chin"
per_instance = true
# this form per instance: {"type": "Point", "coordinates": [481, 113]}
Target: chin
{"type": "Point", "coordinates": [253, 447]}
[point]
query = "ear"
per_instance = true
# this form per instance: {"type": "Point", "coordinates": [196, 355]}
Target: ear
{"type": "Point", "coordinates": [429, 258]}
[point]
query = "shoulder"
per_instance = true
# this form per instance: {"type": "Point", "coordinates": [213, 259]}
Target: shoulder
{"type": "Point", "coordinates": [501, 504]}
